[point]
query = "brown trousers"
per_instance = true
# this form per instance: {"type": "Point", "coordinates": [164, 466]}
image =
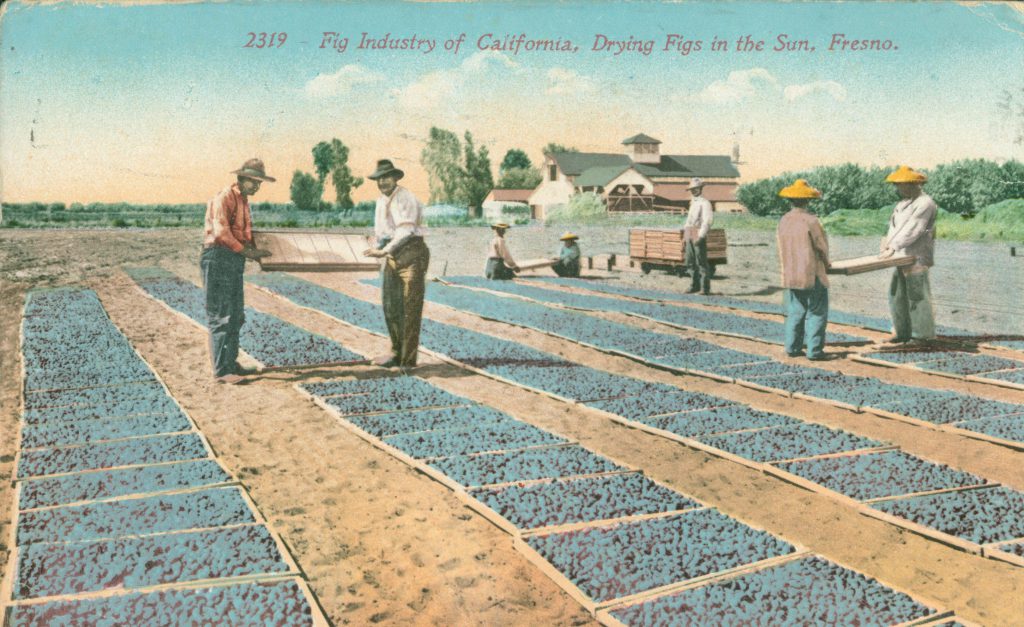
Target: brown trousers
{"type": "Point", "coordinates": [402, 289]}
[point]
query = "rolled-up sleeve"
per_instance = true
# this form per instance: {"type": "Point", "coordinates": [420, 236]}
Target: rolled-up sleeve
{"type": "Point", "coordinates": [220, 209]}
{"type": "Point", "coordinates": [407, 213]}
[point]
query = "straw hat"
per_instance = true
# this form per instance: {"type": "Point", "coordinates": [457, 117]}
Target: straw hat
{"type": "Point", "coordinates": [568, 236]}
{"type": "Point", "coordinates": [254, 169]}
{"type": "Point", "coordinates": [799, 189]}
{"type": "Point", "coordinates": [499, 225]}
{"type": "Point", "coordinates": [695, 183]}
{"type": "Point", "coordinates": [904, 174]}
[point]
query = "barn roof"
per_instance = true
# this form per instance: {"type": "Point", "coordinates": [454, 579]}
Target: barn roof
{"type": "Point", "coordinates": [640, 139]}
{"type": "Point", "coordinates": [593, 169]}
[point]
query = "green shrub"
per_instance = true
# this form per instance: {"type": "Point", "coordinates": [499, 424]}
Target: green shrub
{"type": "Point", "coordinates": [583, 208]}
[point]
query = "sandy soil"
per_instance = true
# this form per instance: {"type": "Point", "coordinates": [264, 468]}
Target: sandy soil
{"type": "Point", "coordinates": [382, 543]}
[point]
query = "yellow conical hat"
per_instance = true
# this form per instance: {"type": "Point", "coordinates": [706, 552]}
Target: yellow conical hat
{"type": "Point", "coordinates": [800, 189]}
{"type": "Point", "coordinates": [904, 174]}
{"type": "Point", "coordinates": [568, 236]}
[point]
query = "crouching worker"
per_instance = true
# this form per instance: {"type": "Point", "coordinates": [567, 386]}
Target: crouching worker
{"type": "Point", "coordinates": [500, 264]}
{"type": "Point", "coordinates": [803, 253]}
{"type": "Point", "coordinates": [568, 263]}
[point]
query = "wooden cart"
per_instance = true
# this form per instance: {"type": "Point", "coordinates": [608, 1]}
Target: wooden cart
{"type": "Point", "coordinates": [665, 249]}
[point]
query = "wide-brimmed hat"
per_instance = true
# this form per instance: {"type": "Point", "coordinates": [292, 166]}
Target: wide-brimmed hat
{"type": "Point", "coordinates": [799, 189]}
{"type": "Point", "coordinates": [384, 168]}
{"type": "Point", "coordinates": [904, 174]}
{"type": "Point", "coordinates": [254, 169]}
{"type": "Point", "coordinates": [500, 225]}
{"type": "Point", "coordinates": [568, 236]}
{"type": "Point", "coordinates": [695, 183]}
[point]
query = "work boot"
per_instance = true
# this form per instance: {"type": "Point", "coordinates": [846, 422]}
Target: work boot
{"type": "Point", "coordinates": [231, 379]}
{"type": "Point", "coordinates": [385, 361]}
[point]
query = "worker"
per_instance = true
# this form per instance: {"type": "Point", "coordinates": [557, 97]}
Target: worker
{"type": "Point", "coordinates": [398, 225]}
{"type": "Point", "coordinates": [911, 232]}
{"type": "Point", "coordinates": [803, 253]}
{"type": "Point", "coordinates": [500, 264]}
{"type": "Point", "coordinates": [699, 220]}
{"type": "Point", "coordinates": [568, 262]}
{"type": "Point", "coordinates": [227, 243]}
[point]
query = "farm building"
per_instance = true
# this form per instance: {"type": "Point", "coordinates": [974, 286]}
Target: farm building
{"type": "Point", "coordinates": [500, 200]}
{"type": "Point", "coordinates": [641, 179]}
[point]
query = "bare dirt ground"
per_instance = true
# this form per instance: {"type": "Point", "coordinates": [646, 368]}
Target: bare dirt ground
{"type": "Point", "coordinates": [384, 544]}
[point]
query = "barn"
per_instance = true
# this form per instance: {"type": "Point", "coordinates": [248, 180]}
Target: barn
{"type": "Point", "coordinates": [640, 179]}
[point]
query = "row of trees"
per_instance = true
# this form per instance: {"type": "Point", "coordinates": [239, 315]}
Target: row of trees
{"type": "Point", "coordinates": [459, 173]}
{"type": "Point", "coordinates": [329, 158]}
{"type": "Point", "coordinates": [964, 187]}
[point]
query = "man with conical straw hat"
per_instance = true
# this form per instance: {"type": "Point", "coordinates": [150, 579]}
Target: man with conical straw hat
{"type": "Point", "coordinates": [568, 262]}
{"type": "Point", "coordinates": [803, 253]}
{"type": "Point", "coordinates": [911, 232]}
{"type": "Point", "coordinates": [500, 264]}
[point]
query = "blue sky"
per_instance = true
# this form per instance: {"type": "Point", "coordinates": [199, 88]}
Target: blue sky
{"type": "Point", "coordinates": [155, 103]}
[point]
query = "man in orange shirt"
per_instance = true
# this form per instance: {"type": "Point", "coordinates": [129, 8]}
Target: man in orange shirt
{"type": "Point", "coordinates": [227, 243]}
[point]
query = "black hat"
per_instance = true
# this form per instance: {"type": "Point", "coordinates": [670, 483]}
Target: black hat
{"type": "Point", "coordinates": [384, 168]}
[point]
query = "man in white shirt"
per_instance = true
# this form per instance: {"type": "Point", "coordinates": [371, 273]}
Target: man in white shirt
{"type": "Point", "coordinates": [500, 264]}
{"type": "Point", "coordinates": [398, 225]}
{"type": "Point", "coordinates": [699, 223]}
{"type": "Point", "coordinates": [911, 232]}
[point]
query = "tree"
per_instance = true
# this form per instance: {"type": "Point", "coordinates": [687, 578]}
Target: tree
{"type": "Point", "coordinates": [306, 191]}
{"type": "Point", "coordinates": [441, 159]}
{"type": "Point", "coordinates": [520, 178]}
{"type": "Point", "coordinates": [476, 179]}
{"type": "Point", "coordinates": [323, 160]}
{"type": "Point", "coordinates": [552, 147]}
{"type": "Point", "coordinates": [332, 158]}
{"type": "Point", "coordinates": [967, 185]}
{"type": "Point", "coordinates": [514, 159]}
{"type": "Point", "coordinates": [341, 176]}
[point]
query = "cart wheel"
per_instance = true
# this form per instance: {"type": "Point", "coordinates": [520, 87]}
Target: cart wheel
{"type": "Point", "coordinates": [645, 267]}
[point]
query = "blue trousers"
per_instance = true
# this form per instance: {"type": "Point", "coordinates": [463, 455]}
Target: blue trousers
{"type": "Point", "coordinates": [806, 317]}
{"type": "Point", "coordinates": [225, 305]}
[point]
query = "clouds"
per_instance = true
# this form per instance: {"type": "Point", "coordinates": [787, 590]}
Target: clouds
{"type": "Point", "coordinates": [562, 81]}
{"type": "Point", "coordinates": [796, 92]}
{"type": "Point", "coordinates": [742, 85]}
{"type": "Point", "coordinates": [341, 82]}
{"type": "Point", "coordinates": [438, 87]}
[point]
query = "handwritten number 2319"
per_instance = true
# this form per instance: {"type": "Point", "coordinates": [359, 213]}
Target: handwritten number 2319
{"type": "Point", "coordinates": [266, 40]}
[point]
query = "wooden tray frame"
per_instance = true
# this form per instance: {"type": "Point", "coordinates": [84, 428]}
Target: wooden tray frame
{"type": "Point", "coordinates": [876, 264]}
{"type": "Point", "coordinates": [261, 367]}
{"type": "Point", "coordinates": [594, 607]}
{"type": "Point", "coordinates": [994, 550]}
{"type": "Point", "coordinates": [18, 455]}
{"type": "Point", "coordinates": [361, 263]}
{"type": "Point", "coordinates": [509, 527]}
{"type": "Point", "coordinates": [318, 616]}
{"type": "Point", "coordinates": [605, 616]}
